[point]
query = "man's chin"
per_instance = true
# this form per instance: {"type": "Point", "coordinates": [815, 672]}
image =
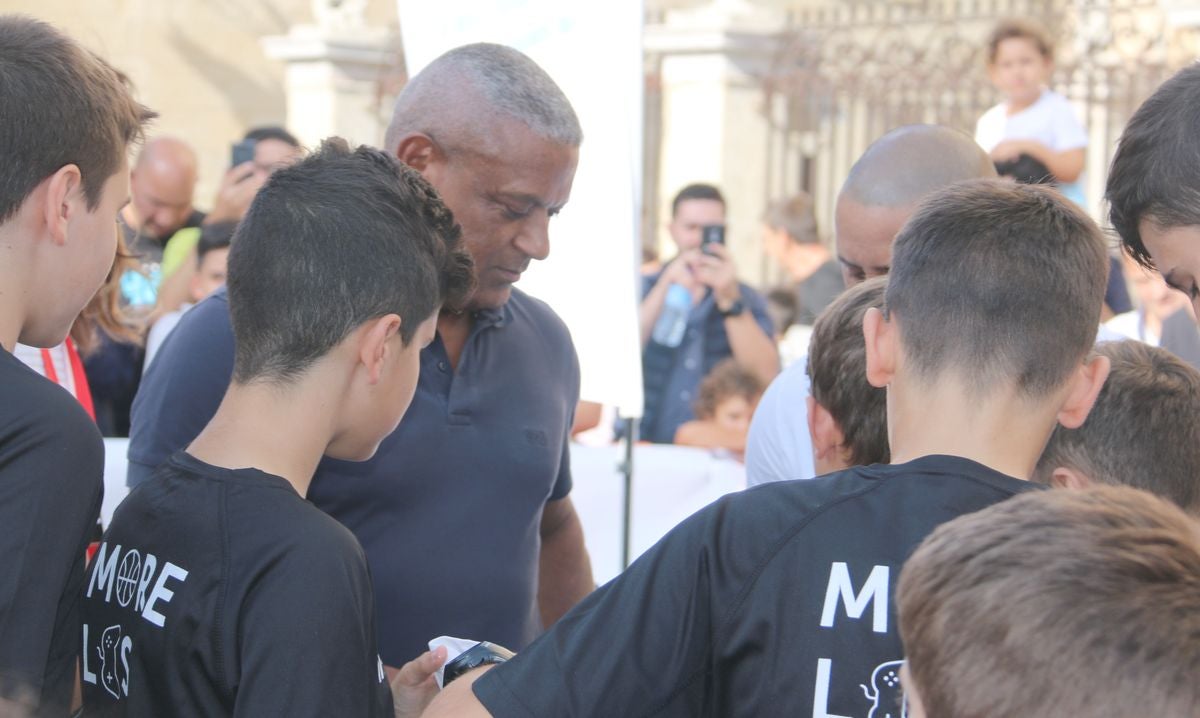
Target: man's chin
{"type": "Point", "coordinates": [491, 297]}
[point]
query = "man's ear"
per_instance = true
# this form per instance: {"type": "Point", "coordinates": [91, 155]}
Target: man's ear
{"type": "Point", "coordinates": [1085, 385]}
{"type": "Point", "coordinates": [63, 192]}
{"type": "Point", "coordinates": [1067, 478]}
{"type": "Point", "coordinates": [826, 435]}
{"type": "Point", "coordinates": [373, 344]}
{"type": "Point", "coordinates": [880, 337]}
{"type": "Point", "coordinates": [417, 150]}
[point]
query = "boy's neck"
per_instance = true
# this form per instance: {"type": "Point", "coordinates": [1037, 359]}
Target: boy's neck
{"type": "Point", "coordinates": [281, 431]}
{"type": "Point", "coordinates": [13, 288]}
{"type": "Point", "coordinates": [1004, 432]}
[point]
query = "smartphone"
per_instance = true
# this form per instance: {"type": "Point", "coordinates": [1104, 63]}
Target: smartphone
{"type": "Point", "coordinates": [711, 234]}
{"type": "Point", "coordinates": [242, 152]}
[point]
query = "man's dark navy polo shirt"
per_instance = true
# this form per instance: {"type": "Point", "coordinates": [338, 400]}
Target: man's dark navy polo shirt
{"type": "Point", "coordinates": [449, 509]}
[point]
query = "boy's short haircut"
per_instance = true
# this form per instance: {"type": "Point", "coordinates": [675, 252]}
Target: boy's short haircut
{"type": "Point", "coordinates": [696, 191]}
{"type": "Point", "coordinates": [1155, 173]}
{"type": "Point", "coordinates": [342, 237]}
{"type": "Point", "coordinates": [726, 379]}
{"type": "Point", "coordinates": [1024, 29]}
{"type": "Point", "coordinates": [795, 217]}
{"type": "Point", "coordinates": [1062, 603]}
{"type": "Point", "coordinates": [214, 236]}
{"type": "Point", "coordinates": [62, 105]}
{"type": "Point", "coordinates": [837, 370]}
{"type": "Point", "coordinates": [1143, 431]}
{"type": "Point", "coordinates": [1000, 282]}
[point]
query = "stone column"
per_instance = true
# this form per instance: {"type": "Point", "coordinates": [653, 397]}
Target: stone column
{"type": "Point", "coordinates": [337, 72]}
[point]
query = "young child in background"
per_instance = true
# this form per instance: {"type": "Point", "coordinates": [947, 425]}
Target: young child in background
{"type": "Point", "coordinates": [1155, 302]}
{"type": "Point", "coordinates": [723, 409]}
{"type": "Point", "coordinates": [1055, 603]}
{"type": "Point", "coordinates": [1033, 121]}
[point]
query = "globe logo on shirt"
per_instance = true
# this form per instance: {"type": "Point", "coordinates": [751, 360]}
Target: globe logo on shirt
{"type": "Point", "coordinates": [127, 577]}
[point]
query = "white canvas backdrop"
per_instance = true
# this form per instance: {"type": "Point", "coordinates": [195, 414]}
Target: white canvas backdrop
{"type": "Point", "coordinates": [594, 51]}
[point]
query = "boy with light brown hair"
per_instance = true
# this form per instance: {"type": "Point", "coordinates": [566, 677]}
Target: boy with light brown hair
{"type": "Point", "coordinates": [1144, 430]}
{"type": "Point", "coordinates": [847, 417]}
{"type": "Point", "coordinates": [1055, 603]}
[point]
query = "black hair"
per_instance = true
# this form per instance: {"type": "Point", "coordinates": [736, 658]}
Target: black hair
{"type": "Point", "coordinates": [217, 235]}
{"type": "Point", "coordinates": [696, 191]}
{"type": "Point", "coordinates": [341, 237]}
{"type": "Point", "coordinates": [272, 132]}
{"type": "Point", "coordinates": [1155, 173]}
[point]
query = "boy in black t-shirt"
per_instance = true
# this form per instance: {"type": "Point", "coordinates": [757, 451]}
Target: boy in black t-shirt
{"type": "Point", "coordinates": [778, 600]}
{"type": "Point", "coordinates": [67, 122]}
{"type": "Point", "coordinates": [1147, 415]}
{"type": "Point", "coordinates": [218, 590]}
{"type": "Point", "coordinates": [1058, 603]}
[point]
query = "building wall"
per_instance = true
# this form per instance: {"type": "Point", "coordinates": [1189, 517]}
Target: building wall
{"type": "Point", "coordinates": [198, 63]}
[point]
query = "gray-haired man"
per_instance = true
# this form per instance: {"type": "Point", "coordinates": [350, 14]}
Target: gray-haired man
{"type": "Point", "coordinates": [464, 511]}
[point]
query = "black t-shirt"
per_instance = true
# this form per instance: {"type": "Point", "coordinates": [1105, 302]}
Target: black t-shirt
{"type": "Point", "coordinates": [777, 601]}
{"type": "Point", "coordinates": [223, 592]}
{"type": "Point", "coordinates": [51, 482]}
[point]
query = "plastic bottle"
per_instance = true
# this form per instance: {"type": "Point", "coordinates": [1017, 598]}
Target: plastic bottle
{"type": "Point", "coordinates": [672, 322]}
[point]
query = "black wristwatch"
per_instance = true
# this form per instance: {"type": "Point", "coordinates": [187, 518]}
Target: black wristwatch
{"type": "Point", "coordinates": [481, 654]}
{"type": "Point", "coordinates": [734, 310]}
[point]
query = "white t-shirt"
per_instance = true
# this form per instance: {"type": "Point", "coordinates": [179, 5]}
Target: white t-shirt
{"type": "Point", "coordinates": [778, 446]}
{"type": "Point", "coordinates": [1130, 325]}
{"type": "Point", "coordinates": [1051, 121]}
{"type": "Point", "coordinates": [33, 358]}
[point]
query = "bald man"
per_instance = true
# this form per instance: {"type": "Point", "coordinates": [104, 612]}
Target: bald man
{"type": "Point", "coordinates": [465, 511]}
{"type": "Point", "coordinates": [161, 185]}
{"type": "Point", "coordinates": [882, 190]}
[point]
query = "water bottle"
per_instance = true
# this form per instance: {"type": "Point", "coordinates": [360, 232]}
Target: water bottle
{"type": "Point", "coordinates": [672, 322]}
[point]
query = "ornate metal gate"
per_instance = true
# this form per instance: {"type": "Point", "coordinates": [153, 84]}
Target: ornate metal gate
{"type": "Point", "coordinates": [848, 71]}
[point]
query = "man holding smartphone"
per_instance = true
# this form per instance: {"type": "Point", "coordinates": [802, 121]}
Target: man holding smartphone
{"type": "Point", "coordinates": [726, 318]}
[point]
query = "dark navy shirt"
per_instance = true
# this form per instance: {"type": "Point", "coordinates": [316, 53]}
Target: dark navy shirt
{"type": "Point", "coordinates": [449, 509]}
{"type": "Point", "coordinates": [672, 376]}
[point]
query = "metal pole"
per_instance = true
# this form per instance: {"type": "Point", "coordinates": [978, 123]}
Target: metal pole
{"type": "Point", "coordinates": [626, 468]}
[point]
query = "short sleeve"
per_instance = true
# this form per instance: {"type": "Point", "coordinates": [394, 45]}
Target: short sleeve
{"type": "Point", "coordinates": [306, 640]}
{"type": "Point", "coordinates": [778, 446]}
{"type": "Point", "coordinates": [563, 482]}
{"type": "Point", "coordinates": [1069, 134]}
{"type": "Point", "coordinates": [989, 130]}
{"type": "Point", "coordinates": [640, 643]}
{"type": "Point", "coordinates": [758, 307]}
{"type": "Point", "coordinates": [51, 482]}
{"type": "Point", "coordinates": [182, 387]}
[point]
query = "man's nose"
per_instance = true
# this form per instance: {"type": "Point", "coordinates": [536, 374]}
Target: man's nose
{"type": "Point", "coordinates": [534, 239]}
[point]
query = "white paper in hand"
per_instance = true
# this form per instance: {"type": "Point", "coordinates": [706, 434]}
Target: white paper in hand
{"type": "Point", "coordinates": [455, 647]}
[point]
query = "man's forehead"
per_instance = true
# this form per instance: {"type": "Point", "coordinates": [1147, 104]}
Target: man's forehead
{"type": "Point", "coordinates": [699, 207]}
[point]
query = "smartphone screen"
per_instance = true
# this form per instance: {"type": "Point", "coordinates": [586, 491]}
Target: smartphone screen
{"type": "Point", "coordinates": [242, 152]}
{"type": "Point", "coordinates": [711, 234]}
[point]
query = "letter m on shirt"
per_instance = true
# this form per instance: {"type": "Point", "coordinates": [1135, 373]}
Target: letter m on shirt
{"type": "Point", "coordinates": [841, 590]}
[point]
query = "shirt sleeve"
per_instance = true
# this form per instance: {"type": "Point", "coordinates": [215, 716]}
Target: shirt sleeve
{"type": "Point", "coordinates": [51, 482]}
{"type": "Point", "coordinates": [758, 308]}
{"type": "Point", "coordinates": [182, 387]}
{"type": "Point", "coordinates": [638, 645]}
{"type": "Point", "coordinates": [1069, 134]}
{"type": "Point", "coordinates": [306, 641]}
{"type": "Point", "coordinates": [778, 446]}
